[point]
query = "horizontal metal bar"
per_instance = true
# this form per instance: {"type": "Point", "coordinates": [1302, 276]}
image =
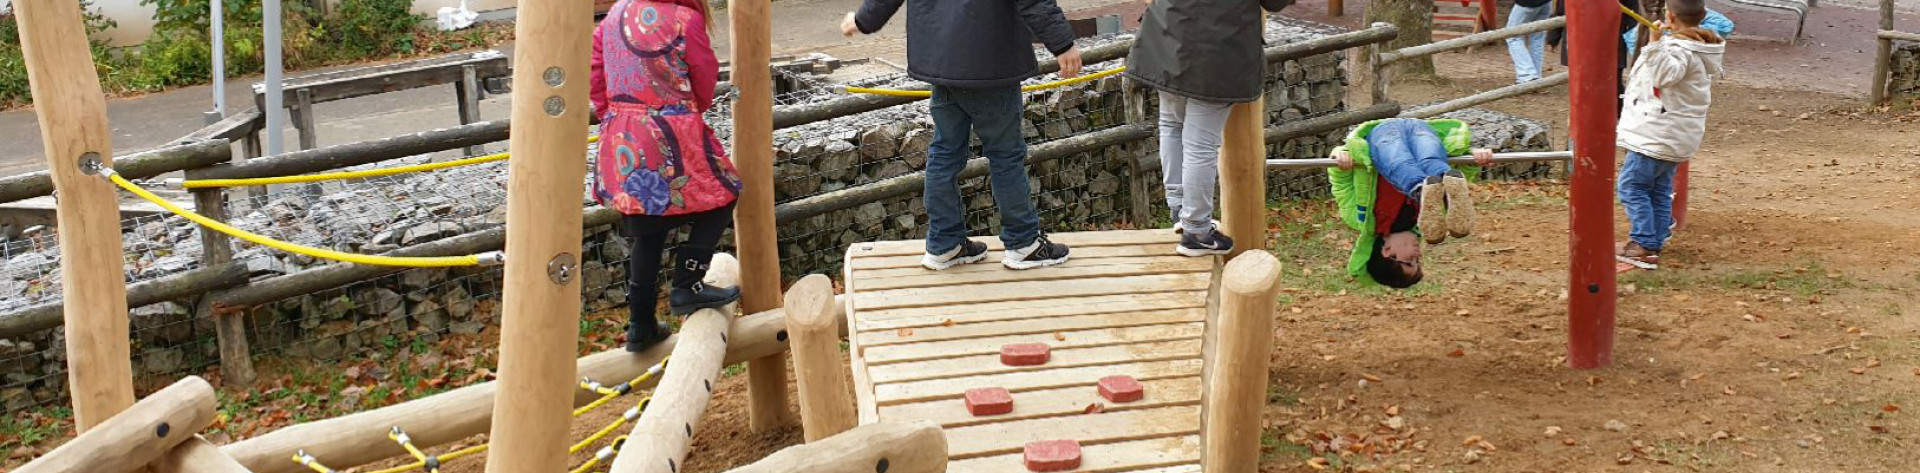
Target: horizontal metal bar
{"type": "Point", "coordinates": [1482, 98]}
{"type": "Point", "coordinates": [1471, 40]}
{"type": "Point", "coordinates": [1498, 158]}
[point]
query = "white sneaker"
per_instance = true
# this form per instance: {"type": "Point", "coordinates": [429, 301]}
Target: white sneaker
{"type": "Point", "coordinates": [1041, 253]}
{"type": "Point", "coordinates": [968, 252]}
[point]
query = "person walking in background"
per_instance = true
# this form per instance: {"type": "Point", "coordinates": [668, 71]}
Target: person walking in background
{"type": "Point", "coordinates": [1202, 56]}
{"type": "Point", "coordinates": [659, 164]}
{"type": "Point", "coordinates": [1528, 51]}
{"type": "Point", "coordinates": [976, 53]}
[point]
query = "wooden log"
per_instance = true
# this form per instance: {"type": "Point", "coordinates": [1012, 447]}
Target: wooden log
{"type": "Point", "coordinates": [1236, 384]}
{"type": "Point", "coordinates": [1243, 177]}
{"type": "Point", "coordinates": [889, 447]}
{"type": "Point", "coordinates": [1468, 41]}
{"type": "Point", "coordinates": [848, 198]}
{"type": "Point", "coordinates": [1375, 34]}
{"type": "Point", "coordinates": [364, 152]}
{"type": "Point", "coordinates": [360, 438]}
{"type": "Point", "coordinates": [753, 228]}
{"type": "Point", "coordinates": [1883, 56]}
{"type": "Point", "coordinates": [826, 393]}
{"type": "Point", "coordinates": [233, 127]}
{"type": "Point", "coordinates": [229, 327]}
{"type": "Point", "coordinates": [184, 285]}
{"type": "Point", "coordinates": [541, 323]}
{"type": "Point", "coordinates": [1490, 96]}
{"type": "Point", "coordinates": [134, 166]}
{"type": "Point", "coordinates": [137, 436]}
{"type": "Point", "coordinates": [1337, 121]}
{"type": "Point", "coordinates": [197, 455]}
{"type": "Point", "coordinates": [73, 127]}
{"type": "Point", "coordinates": [663, 435]}
{"type": "Point", "coordinates": [1898, 35]}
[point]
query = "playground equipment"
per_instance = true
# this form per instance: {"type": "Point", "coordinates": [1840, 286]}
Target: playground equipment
{"type": "Point", "coordinates": [1194, 334]}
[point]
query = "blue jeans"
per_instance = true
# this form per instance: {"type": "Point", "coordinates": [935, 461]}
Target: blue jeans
{"type": "Point", "coordinates": [994, 114]}
{"type": "Point", "coordinates": [1646, 190]}
{"type": "Point", "coordinates": [1528, 51]}
{"type": "Point", "coordinates": [1407, 152]}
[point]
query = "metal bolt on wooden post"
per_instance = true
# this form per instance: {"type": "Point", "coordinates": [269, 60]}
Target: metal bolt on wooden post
{"type": "Point", "coordinates": [826, 400]}
{"type": "Point", "coordinates": [1237, 386]}
{"type": "Point", "coordinates": [753, 231]}
{"type": "Point", "coordinates": [542, 300]}
{"type": "Point", "coordinates": [73, 128]}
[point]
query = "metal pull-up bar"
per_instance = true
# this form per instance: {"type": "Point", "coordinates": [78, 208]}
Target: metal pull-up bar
{"type": "Point", "coordinates": [1498, 158]}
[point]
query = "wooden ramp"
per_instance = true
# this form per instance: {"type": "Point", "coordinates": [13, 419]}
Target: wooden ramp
{"type": "Point", "coordinates": [1125, 304]}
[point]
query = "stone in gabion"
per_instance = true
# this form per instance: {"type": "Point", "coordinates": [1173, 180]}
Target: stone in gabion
{"type": "Point", "coordinates": [429, 316]}
{"type": "Point", "coordinates": [166, 322]}
{"type": "Point", "coordinates": [375, 301]}
{"type": "Point", "coordinates": [913, 148]}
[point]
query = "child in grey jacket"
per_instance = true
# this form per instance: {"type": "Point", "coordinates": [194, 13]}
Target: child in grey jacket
{"type": "Point", "coordinates": [1662, 122]}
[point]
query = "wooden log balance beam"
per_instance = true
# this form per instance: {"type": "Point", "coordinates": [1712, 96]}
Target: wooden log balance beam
{"type": "Point", "coordinates": [1236, 383]}
{"type": "Point", "coordinates": [826, 390]}
{"type": "Point", "coordinates": [663, 435]}
{"type": "Point", "coordinates": [136, 436]}
{"type": "Point", "coordinates": [889, 447]}
{"type": "Point", "coordinates": [361, 438]}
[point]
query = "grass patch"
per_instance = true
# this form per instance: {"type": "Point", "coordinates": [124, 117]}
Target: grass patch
{"type": "Point", "coordinates": [1277, 394]}
{"type": "Point", "coordinates": [1804, 280]}
{"type": "Point", "coordinates": [733, 370]}
{"type": "Point", "coordinates": [1274, 446]}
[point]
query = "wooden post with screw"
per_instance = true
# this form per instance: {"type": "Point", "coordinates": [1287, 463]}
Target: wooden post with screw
{"type": "Point", "coordinates": [753, 231]}
{"type": "Point", "coordinates": [73, 128]}
{"type": "Point", "coordinates": [1236, 385]}
{"type": "Point", "coordinates": [542, 301]}
{"type": "Point", "coordinates": [826, 395]}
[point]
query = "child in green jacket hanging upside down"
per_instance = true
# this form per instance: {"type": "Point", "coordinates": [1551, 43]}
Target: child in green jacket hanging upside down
{"type": "Point", "coordinates": [1394, 185]}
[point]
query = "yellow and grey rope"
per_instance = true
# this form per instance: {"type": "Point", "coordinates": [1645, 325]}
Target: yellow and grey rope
{"type": "Point", "coordinates": [482, 259]}
{"type": "Point", "coordinates": [1030, 88]}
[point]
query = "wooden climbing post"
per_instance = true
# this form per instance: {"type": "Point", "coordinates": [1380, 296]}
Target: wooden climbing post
{"type": "Point", "coordinates": [826, 393]}
{"type": "Point", "coordinates": [753, 231]}
{"type": "Point", "coordinates": [1236, 384]}
{"type": "Point", "coordinates": [542, 300]}
{"type": "Point", "coordinates": [137, 436]}
{"type": "Point", "coordinates": [1883, 57]}
{"type": "Point", "coordinates": [1243, 174]}
{"type": "Point", "coordinates": [1592, 30]}
{"type": "Point", "coordinates": [890, 447]}
{"type": "Point", "coordinates": [73, 128]}
{"type": "Point", "coordinates": [664, 434]}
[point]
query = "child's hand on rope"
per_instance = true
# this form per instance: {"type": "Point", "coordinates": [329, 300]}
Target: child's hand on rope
{"type": "Point", "coordinates": [1483, 157]}
{"type": "Point", "coordinates": [848, 26]}
{"type": "Point", "coordinates": [1069, 63]}
{"type": "Point", "coordinates": [1343, 159]}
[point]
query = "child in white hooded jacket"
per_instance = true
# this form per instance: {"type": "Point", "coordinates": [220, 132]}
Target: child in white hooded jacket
{"type": "Point", "coordinates": [1662, 121]}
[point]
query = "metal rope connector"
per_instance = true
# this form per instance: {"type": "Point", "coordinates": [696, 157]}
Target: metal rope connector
{"type": "Point", "coordinates": [492, 258]}
{"type": "Point", "coordinates": [176, 183]}
{"type": "Point", "coordinates": [308, 461]}
{"type": "Point", "coordinates": [91, 164]}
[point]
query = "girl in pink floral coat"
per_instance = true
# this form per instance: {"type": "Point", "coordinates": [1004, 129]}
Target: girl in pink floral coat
{"type": "Point", "coordinates": [659, 164]}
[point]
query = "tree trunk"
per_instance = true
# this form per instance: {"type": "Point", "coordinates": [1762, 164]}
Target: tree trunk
{"type": "Point", "coordinates": [1415, 20]}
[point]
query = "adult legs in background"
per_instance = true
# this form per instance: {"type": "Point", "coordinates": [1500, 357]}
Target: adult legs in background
{"type": "Point", "coordinates": [1646, 191]}
{"type": "Point", "coordinates": [1194, 155]}
{"type": "Point", "coordinates": [996, 115]}
{"type": "Point", "coordinates": [946, 156]}
{"type": "Point", "coordinates": [1528, 51]}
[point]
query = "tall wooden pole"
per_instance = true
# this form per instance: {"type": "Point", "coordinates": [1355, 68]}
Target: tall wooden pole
{"type": "Point", "coordinates": [1883, 58]}
{"type": "Point", "coordinates": [1236, 387]}
{"type": "Point", "coordinates": [73, 128]}
{"type": "Point", "coordinates": [826, 400]}
{"type": "Point", "coordinates": [1592, 30]}
{"type": "Point", "coordinates": [542, 300]}
{"type": "Point", "coordinates": [753, 230]}
{"type": "Point", "coordinates": [1243, 173]}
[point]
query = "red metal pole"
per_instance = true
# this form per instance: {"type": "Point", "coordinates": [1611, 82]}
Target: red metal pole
{"type": "Point", "coordinates": [1592, 31]}
{"type": "Point", "coordinates": [1680, 196]}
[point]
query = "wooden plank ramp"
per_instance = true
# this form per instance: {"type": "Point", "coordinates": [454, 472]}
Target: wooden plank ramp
{"type": "Point", "coordinates": [1125, 304]}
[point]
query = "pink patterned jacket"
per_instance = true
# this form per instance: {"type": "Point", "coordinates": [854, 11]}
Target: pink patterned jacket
{"type": "Point", "coordinates": [654, 73]}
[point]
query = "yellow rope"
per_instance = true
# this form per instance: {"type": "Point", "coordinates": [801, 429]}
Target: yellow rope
{"type": "Point", "coordinates": [322, 253]}
{"type": "Point", "coordinates": [634, 413]}
{"type": "Point", "coordinates": [1030, 88]}
{"type": "Point", "coordinates": [334, 176]}
{"type": "Point", "coordinates": [600, 456]}
{"type": "Point", "coordinates": [1636, 16]}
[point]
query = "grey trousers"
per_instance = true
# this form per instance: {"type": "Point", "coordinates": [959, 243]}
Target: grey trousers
{"type": "Point", "coordinates": [1190, 158]}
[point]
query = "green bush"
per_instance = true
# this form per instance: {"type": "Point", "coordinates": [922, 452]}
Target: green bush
{"type": "Point", "coordinates": [370, 28]}
{"type": "Point", "coordinates": [14, 88]}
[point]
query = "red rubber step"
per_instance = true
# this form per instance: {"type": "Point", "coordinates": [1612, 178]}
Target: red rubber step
{"type": "Point", "coordinates": [1122, 389]}
{"type": "Point", "coordinates": [1025, 354]}
{"type": "Point", "coordinates": [989, 401]}
{"type": "Point", "coordinates": [1052, 455]}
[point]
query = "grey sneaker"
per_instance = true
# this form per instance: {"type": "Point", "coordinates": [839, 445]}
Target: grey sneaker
{"type": "Point", "coordinates": [1041, 253]}
{"type": "Point", "coordinates": [968, 252]}
{"type": "Point", "coordinates": [1214, 243]}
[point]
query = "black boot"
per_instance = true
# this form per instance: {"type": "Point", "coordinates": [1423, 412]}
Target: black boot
{"type": "Point", "coordinates": [689, 294]}
{"type": "Point", "coordinates": [643, 329]}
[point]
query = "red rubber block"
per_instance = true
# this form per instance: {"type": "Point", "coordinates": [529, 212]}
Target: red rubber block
{"type": "Point", "coordinates": [1122, 389]}
{"type": "Point", "coordinates": [1053, 455]}
{"type": "Point", "coordinates": [1025, 354]}
{"type": "Point", "coordinates": [989, 401]}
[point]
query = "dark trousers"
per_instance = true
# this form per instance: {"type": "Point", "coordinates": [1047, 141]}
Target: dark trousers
{"type": "Point", "coordinates": [648, 236]}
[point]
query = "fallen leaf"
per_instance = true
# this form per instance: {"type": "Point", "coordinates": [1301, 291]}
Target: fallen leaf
{"type": "Point", "coordinates": [1858, 371]}
{"type": "Point", "coordinates": [946, 323]}
{"type": "Point", "coordinates": [1728, 391]}
{"type": "Point", "coordinates": [1059, 336]}
{"type": "Point", "coordinates": [1370, 377]}
{"type": "Point", "coordinates": [1393, 410]}
{"type": "Point", "coordinates": [1890, 408]}
{"type": "Point", "coordinates": [1568, 441]}
{"type": "Point", "coordinates": [1793, 376]}
{"type": "Point", "coordinates": [1472, 456]}
{"type": "Point", "coordinates": [1593, 380]}
{"type": "Point", "coordinates": [1471, 439]}
{"type": "Point", "coordinates": [1463, 312]}
{"type": "Point", "coordinates": [1553, 431]}
{"type": "Point", "coordinates": [905, 332]}
{"type": "Point", "coordinates": [1457, 353]}
{"type": "Point", "coordinates": [1873, 362]}
{"type": "Point", "coordinates": [1878, 429]}
{"type": "Point", "coordinates": [1095, 408]}
{"type": "Point", "coordinates": [1625, 459]}
{"type": "Point", "coordinates": [1317, 463]}
{"type": "Point", "coordinates": [1721, 435]}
